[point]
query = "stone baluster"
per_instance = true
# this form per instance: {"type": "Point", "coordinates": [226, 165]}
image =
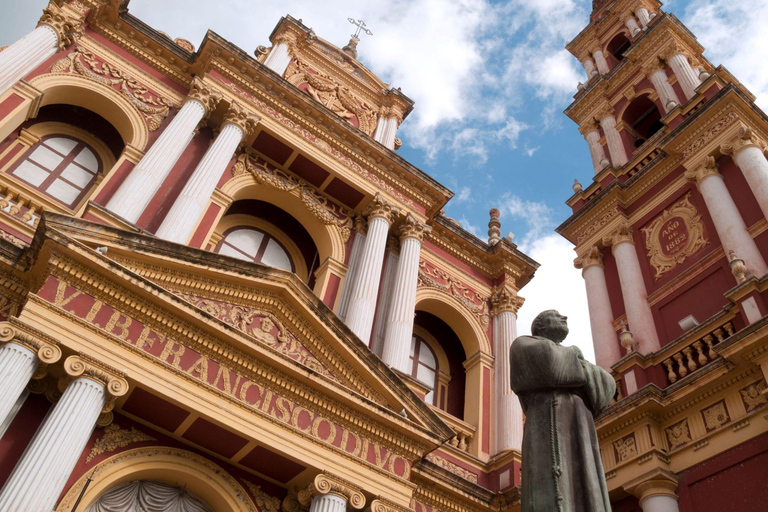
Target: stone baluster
{"type": "Point", "coordinates": [686, 75]}
{"type": "Point", "coordinates": [729, 224]}
{"type": "Point", "coordinates": [147, 177]}
{"type": "Point", "coordinates": [55, 31]}
{"type": "Point", "coordinates": [328, 493]}
{"type": "Point", "coordinates": [633, 289]}
{"type": "Point", "coordinates": [399, 321]}
{"type": "Point", "coordinates": [601, 318]}
{"type": "Point", "coordinates": [613, 137]}
{"type": "Point", "coordinates": [749, 153]}
{"type": "Point", "coordinates": [602, 64]}
{"type": "Point", "coordinates": [280, 55]}
{"type": "Point", "coordinates": [190, 206]}
{"type": "Point", "coordinates": [22, 357]}
{"type": "Point", "coordinates": [88, 397]}
{"type": "Point", "coordinates": [362, 303]}
{"type": "Point", "coordinates": [658, 77]}
{"type": "Point", "coordinates": [509, 412]}
{"type": "Point", "coordinates": [596, 151]}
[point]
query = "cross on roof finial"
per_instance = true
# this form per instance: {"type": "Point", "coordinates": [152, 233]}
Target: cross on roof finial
{"type": "Point", "coordinates": [360, 24]}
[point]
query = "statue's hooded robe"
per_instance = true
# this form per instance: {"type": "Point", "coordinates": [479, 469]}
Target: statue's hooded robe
{"type": "Point", "coordinates": [560, 393]}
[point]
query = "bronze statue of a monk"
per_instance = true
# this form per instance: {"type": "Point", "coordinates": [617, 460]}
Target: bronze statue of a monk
{"type": "Point", "coordinates": [561, 393]}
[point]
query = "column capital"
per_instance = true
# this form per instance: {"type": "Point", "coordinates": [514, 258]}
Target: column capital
{"type": "Point", "coordinates": [240, 117]}
{"type": "Point", "coordinates": [588, 127]}
{"type": "Point", "coordinates": [652, 66]}
{"type": "Point", "coordinates": [380, 207]}
{"type": "Point", "coordinates": [413, 228]}
{"type": "Point", "coordinates": [604, 112]}
{"type": "Point", "coordinates": [622, 234]}
{"type": "Point", "coordinates": [325, 483]}
{"type": "Point", "coordinates": [504, 300]}
{"type": "Point", "coordinates": [381, 505]}
{"type": "Point", "coordinates": [744, 139]}
{"type": "Point", "coordinates": [199, 91]}
{"type": "Point", "coordinates": [593, 258]}
{"type": "Point", "coordinates": [287, 37]}
{"type": "Point", "coordinates": [705, 170]}
{"type": "Point", "coordinates": [657, 482]}
{"type": "Point", "coordinates": [85, 366]}
{"type": "Point", "coordinates": [670, 50]}
{"type": "Point", "coordinates": [68, 29]}
{"type": "Point", "coordinates": [47, 351]}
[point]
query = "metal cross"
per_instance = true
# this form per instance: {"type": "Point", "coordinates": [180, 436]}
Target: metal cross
{"type": "Point", "coordinates": [360, 24]}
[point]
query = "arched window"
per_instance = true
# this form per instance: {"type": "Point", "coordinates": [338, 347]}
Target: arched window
{"type": "Point", "coordinates": [645, 119]}
{"type": "Point", "coordinates": [252, 244]}
{"type": "Point", "coordinates": [618, 46]}
{"type": "Point", "coordinates": [424, 366]}
{"type": "Point", "coordinates": [60, 166]}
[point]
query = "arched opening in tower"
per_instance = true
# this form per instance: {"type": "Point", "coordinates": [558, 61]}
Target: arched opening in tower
{"type": "Point", "coordinates": [644, 118]}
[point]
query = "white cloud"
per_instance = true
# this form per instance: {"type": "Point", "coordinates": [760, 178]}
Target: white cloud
{"type": "Point", "coordinates": [531, 151]}
{"type": "Point", "coordinates": [464, 195]}
{"type": "Point", "coordinates": [537, 216]}
{"type": "Point", "coordinates": [557, 285]}
{"type": "Point", "coordinates": [464, 222]}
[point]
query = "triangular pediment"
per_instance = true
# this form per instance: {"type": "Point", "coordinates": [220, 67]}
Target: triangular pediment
{"type": "Point", "coordinates": [270, 313]}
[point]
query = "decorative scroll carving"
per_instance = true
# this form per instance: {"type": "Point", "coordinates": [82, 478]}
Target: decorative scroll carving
{"type": "Point", "coordinates": [199, 91]}
{"type": "Point", "coordinates": [324, 210]}
{"type": "Point", "coordinates": [47, 352]}
{"type": "Point", "coordinates": [83, 365]}
{"type": "Point", "coordinates": [263, 326]}
{"type": "Point", "coordinates": [754, 396]}
{"type": "Point", "coordinates": [452, 468]}
{"type": "Point", "coordinates": [715, 416]}
{"type": "Point", "coordinates": [116, 437]}
{"type": "Point", "coordinates": [153, 107]}
{"type": "Point", "coordinates": [678, 434]}
{"type": "Point", "coordinates": [625, 448]}
{"type": "Point", "coordinates": [240, 117]}
{"type": "Point", "coordinates": [622, 234]}
{"type": "Point", "coordinates": [325, 483]}
{"type": "Point", "coordinates": [744, 139]}
{"type": "Point", "coordinates": [412, 228]}
{"type": "Point", "coordinates": [504, 300]}
{"type": "Point", "coordinates": [331, 94]}
{"type": "Point", "coordinates": [68, 29]}
{"type": "Point", "coordinates": [476, 304]}
{"type": "Point", "coordinates": [264, 501]}
{"type": "Point", "coordinates": [380, 207]}
{"type": "Point", "coordinates": [721, 124]}
{"type": "Point", "coordinates": [674, 236]}
{"type": "Point", "coordinates": [595, 226]}
{"type": "Point", "coordinates": [593, 258]}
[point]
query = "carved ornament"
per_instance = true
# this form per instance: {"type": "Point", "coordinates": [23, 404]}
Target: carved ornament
{"type": "Point", "coordinates": [678, 434]}
{"type": "Point", "coordinates": [47, 352]}
{"type": "Point", "coordinates": [593, 258]}
{"type": "Point", "coordinates": [715, 416]}
{"type": "Point", "coordinates": [435, 278]}
{"type": "Point", "coordinates": [204, 94]}
{"type": "Point", "coordinates": [412, 228]}
{"type": "Point", "coordinates": [451, 468]}
{"type": "Point", "coordinates": [674, 236]}
{"type": "Point", "coordinates": [713, 131]}
{"type": "Point", "coordinates": [625, 448]}
{"type": "Point", "coordinates": [754, 396]}
{"type": "Point", "coordinates": [380, 207]}
{"type": "Point", "coordinates": [605, 111]}
{"type": "Point", "coordinates": [116, 437]}
{"type": "Point", "coordinates": [85, 366]}
{"type": "Point", "coordinates": [651, 67]}
{"type": "Point", "coordinates": [708, 168]}
{"type": "Point", "coordinates": [240, 117]}
{"type": "Point", "coordinates": [503, 300]}
{"type": "Point", "coordinates": [264, 501]}
{"type": "Point", "coordinates": [326, 483]}
{"type": "Point", "coordinates": [319, 205]}
{"type": "Point", "coordinates": [153, 108]}
{"type": "Point", "coordinates": [744, 139]}
{"type": "Point", "coordinates": [622, 234]}
{"type": "Point", "coordinates": [593, 227]}
{"type": "Point", "coordinates": [67, 29]}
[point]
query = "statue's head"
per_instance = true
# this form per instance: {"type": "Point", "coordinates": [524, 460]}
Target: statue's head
{"type": "Point", "coordinates": [551, 325]}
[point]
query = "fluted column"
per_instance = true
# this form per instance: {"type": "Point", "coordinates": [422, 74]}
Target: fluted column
{"type": "Point", "coordinates": [386, 287]}
{"type": "Point", "coordinates": [596, 151]}
{"type": "Point", "coordinates": [386, 130]}
{"type": "Point", "coordinates": [280, 55]}
{"type": "Point", "coordinates": [602, 64]}
{"type": "Point", "coordinates": [633, 290]}
{"type": "Point", "coordinates": [397, 340]}
{"type": "Point", "coordinates": [328, 493]}
{"type": "Point", "coordinates": [353, 268]}
{"type": "Point", "coordinates": [147, 177]}
{"type": "Point", "coordinates": [725, 215]}
{"type": "Point", "coordinates": [749, 154]}
{"type": "Point", "coordinates": [643, 16]}
{"type": "Point", "coordinates": [686, 75]}
{"type": "Point", "coordinates": [190, 206]}
{"type": "Point", "coordinates": [509, 412]}
{"type": "Point", "coordinates": [655, 72]}
{"type": "Point", "coordinates": [604, 338]}
{"type": "Point", "coordinates": [613, 138]}
{"type": "Point", "coordinates": [55, 31]}
{"type": "Point", "coordinates": [589, 67]}
{"type": "Point", "coordinates": [631, 23]}
{"type": "Point", "coordinates": [40, 476]}
{"type": "Point", "coordinates": [362, 303]}
{"type": "Point", "coordinates": [22, 357]}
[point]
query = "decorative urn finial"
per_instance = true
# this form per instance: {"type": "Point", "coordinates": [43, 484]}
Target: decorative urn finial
{"type": "Point", "coordinates": [626, 338]}
{"type": "Point", "coordinates": [738, 267]}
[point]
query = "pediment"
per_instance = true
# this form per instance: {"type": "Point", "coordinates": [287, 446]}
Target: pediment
{"type": "Point", "coordinates": [267, 313]}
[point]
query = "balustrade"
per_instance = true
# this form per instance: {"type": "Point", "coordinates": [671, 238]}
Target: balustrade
{"type": "Point", "coordinates": [697, 354]}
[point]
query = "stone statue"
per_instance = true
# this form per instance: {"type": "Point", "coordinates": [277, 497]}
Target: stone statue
{"type": "Point", "coordinates": [561, 393]}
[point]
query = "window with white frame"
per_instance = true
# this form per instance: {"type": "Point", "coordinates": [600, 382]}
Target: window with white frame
{"type": "Point", "coordinates": [251, 244]}
{"type": "Point", "coordinates": [424, 366]}
{"type": "Point", "coordinates": [62, 167]}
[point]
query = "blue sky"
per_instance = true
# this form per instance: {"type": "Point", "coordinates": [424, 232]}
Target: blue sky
{"type": "Point", "coordinates": [490, 81]}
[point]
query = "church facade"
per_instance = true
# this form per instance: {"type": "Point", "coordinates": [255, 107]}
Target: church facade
{"type": "Point", "coordinates": [222, 288]}
{"type": "Point", "coordinates": [672, 243]}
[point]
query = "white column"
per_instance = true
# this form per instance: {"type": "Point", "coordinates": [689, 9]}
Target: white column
{"type": "Point", "coordinates": [190, 206]}
{"type": "Point", "coordinates": [386, 131]}
{"type": "Point", "coordinates": [686, 75]}
{"type": "Point", "coordinates": [615, 144]}
{"type": "Point", "coordinates": [633, 290]}
{"type": "Point", "coordinates": [352, 270]}
{"type": "Point", "coordinates": [632, 25]}
{"type": "Point", "coordinates": [17, 366]}
{"type": "Point", "coordinates": [399, 326]}
{"type": "Point", "coordinates": [147, 177]}
{"type": "Point", "coordinates": [725, 215]}
{"type": "Point", "coordinates": [604, 338]}
{"type": "Point", "coordinates": [602, 64]}
{"type": "Point", "coordinates": [599, 161]}
{"type": "Point", "coordinates": [589, 67]}
{"type": "Point", "coordinates": [509, 412]}
{"type": "Point", "coordinates": [667, 94]}
{"type": "Point", "coordinates": [362, 304]}
{"type": "Point", "coordinates": [328, 503]}
{"type": "Point", "coordinates": [13, 412]}
{"type": "Point", "coordinates": [39, 477]}
{"type": "Point", "coordinates": [643, 16]}
{"type": "Point", "coordinates": [748, 153]}
{"type": "Point", "coordinates": [659, 503]}
{"type": "Point", "coordinates": [26, 54]}
{"type": "Point", "coordinates": [278, 59]}
{"type": "Point", "coordinates": [385, 300]}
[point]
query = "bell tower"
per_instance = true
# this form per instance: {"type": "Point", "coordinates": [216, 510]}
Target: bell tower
{"type": "Point", "coordinates": [672, 240]}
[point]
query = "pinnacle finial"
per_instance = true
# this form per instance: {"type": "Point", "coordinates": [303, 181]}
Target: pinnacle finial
{"type": "Point", "coordinates": [494, 227]}
{"type": "Point", "coordinates": [351, 48]}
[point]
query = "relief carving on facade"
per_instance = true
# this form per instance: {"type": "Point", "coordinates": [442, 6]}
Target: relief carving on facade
{"type": "Point", "coordinates": [324, 210]}
{"type": "Point", "coordinates": [264, 501]}
{"type": "Point", "coordinates": [674, 236]}
{"type": "Point", "coordinates": [116, 437]}
{"type": "Point", "coordinates": [153, 107]}
{"type": "Point", "coordinates": [754, 396]}
{"type": "Point", "coordinates": [678, 434]}
{"type": "Point", "coordinates": [452, 468]}
{"type": "Point", "coordinates": [625, 448]}
{"type": "Point", "coordinates": [433, 277]}
{"type": "Point", "coordinates": [715, 416]}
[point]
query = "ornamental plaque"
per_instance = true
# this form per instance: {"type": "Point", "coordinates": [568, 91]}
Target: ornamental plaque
{"type": "Point", "coordinates": [674, 236]}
